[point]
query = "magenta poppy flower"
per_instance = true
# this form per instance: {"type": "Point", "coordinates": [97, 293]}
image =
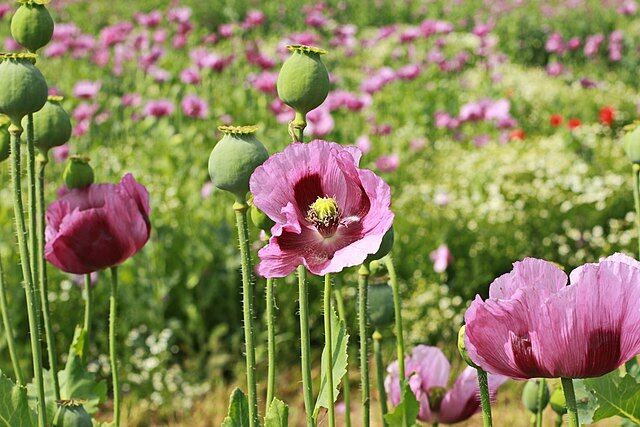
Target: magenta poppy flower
{"type": "Point", "coordinates": [329, 213]}
{"type": "Point", "coordinates": [428, 372]}
{"type": "Point", "coordinates": [535, 326]}
{"type": "Point", "coordinates": [441, 258]}
{"type": "Point", "coordinates": [97, 227]}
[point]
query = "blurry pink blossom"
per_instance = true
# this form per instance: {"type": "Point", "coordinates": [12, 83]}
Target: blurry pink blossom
{"type": "Point", "coordinates": [207, 190]}
{"type": "Point", "coordinates": [131, 99]}
{"type": "Point", "coordinates": [253, 18]}
{"type": "Point", "coordinates": [320, 122]}
{"type": "Point", "coordinates": [592, 45]}
{"type": "Point", "coordinates": [60, 153]}
{"type": "Point", "coordinates": [195, 107]}
{"type": "Point", "coordinates": [265, 81]}
{"type": "Point", "coordinates": [190, 76]}
{"type": "Point", "coordinates": [226, 30]}
{"type": "Point", "coordinates": [628, 7]}
{"type": "Point", "coordinates": [555, 44]}
{"type": "Point", "coordinates": [363, 143]}
{"type": "Point", "coordinates": [441, 198]}
{"type": "Point", "coordinates": [554, 68]}
{"type": "Point", "coordinates": [441, 258]}
{"type": "Point", "coordinates": [179, 14]}
{"type": "Point", "coordinates": [159, 108]}
{"type": "Point", "coordinates": [150, 20]}
{"type": "Point", "coordinates": [84, 111]}
{"type": "Point", "coordinates": [81, 128]}
{"type": "Point", "coordinates": [5, 8]}
{"type": "Point", "coordinates": [388, 163]}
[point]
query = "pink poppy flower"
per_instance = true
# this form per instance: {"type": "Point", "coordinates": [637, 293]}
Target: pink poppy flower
{"type": "Point", "coordinates": [441, 258]}
{"type": "Point", "coordinates": [86, 89]}
{"type": "Point", "coordinates": [535, 326]}
{"type": "Point", "coordinates": [194, 106]}
{"type": "Point", "coordinates": [253, 18]}
{"type": "Point", "coordinates": [5, 8]}
{"type": "Point", "coordinates": [61, 153]}
{"type": "Point", "coordinates": [329, 213]}
{"type": "Point", "coordinates": [97, 227]}
{"type": "Point", "coordinates": [428, 371]}
{"type": "Point", "coordinates": [388, 163]}
{"type": "Point", "coordinates": [159, 108]}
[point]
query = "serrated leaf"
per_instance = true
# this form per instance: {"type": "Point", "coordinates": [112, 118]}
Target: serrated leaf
{"type": "Point", "coordinates": [617, 396]}
{"type": "Point", "coordinates": [406, 413]}
{"type": "Point", "coordinates": [14, 405]}
{"type": "Point", "coordinates": [277, 415]}
{"type": "Point", "coordinates": [238, 415]}
{"type": "Point", "coordinates": [339, 342]}
{"type": "Point", "coordinates": [586, 402]}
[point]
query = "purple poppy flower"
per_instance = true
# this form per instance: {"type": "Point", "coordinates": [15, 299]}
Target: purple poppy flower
{"type": "Point", "coordinates": [535, 326]}
{"type": "Point", "coordinates": [388, 163]}
{"type": "Point", "coordinates": [428, 371]}
{"type": "Point", "coordinates": [194, 106]}
{"type": "Point", "coordinates": [85, 89]}
{"type": "Point", "coordinates": [592, 45]}
{"type": "Point", "coordinates": [329, 214]}
{"type": "Point", "coordinates": [159, 108]}
{"type": "Point", "coordinates": [441, 258]}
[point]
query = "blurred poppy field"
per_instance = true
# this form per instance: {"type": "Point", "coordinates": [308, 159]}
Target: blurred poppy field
{"type": "Point", "coordinates": [496, 123]}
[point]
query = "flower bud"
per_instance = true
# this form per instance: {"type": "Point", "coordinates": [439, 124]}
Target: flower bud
{"type": "Point", "coordinates": [78, 173]}
{"type": "Point", "coordinates": [558, 402]}
{"type": "Point", "coordinates": [530, 395]}
{"type": "Point", "coordinates": [51, 125]}
{"type": "Point", "coordinates": [631, 143]}
{"type": "Point", "coordinates": [32, 25]}
{"type": "Point", "coordinates": [259, 218]}
{"type": "Point", "coordinates": [380, 305]}
{"type": "Point", "coordinates": [385, 246]}
{"type": "Point", "coordinates": [5, 138]}
{"type": "Point", "coordinates": [462, 348]}
{"type": "Point", "coordinates": [303, 82]}
{"type": "Point", "coordinates": [23, 89]}
{"type": "Point", "coordinates": [234, 158]}
{"type": "Point", "coordinates": [71, 413]}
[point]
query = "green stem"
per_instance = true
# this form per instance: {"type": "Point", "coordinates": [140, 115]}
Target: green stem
{"type": "Point", "coordinates": [542, 386]}
{"type": "Point", "coordinates": [113, 354]}
{"type": "Point", "coordinates": [346, 388]}
{"type": "Point", "coordinates": [271, 343]}
{"type": "Point", "coordinates": [25, 262]}
{"type": "Point", "coordinates": [397, 308]}
{"type": "Point", "coordinates": [296, 127]}
{"type": "Point", "coordinates": [377, 351]}
{"type": "Point", "coordinates": [88, 312]}
{"type": "Point", "coordinates": [305, 346]}
{"type": "Point", "coordinates": [485, 400]}
{"type": "Point", "coordinates": [570, 398]}
{"type": "Point", "coordinates": [41, 162]}
{"type": "Point", "coordinates": [559, 420]}
{"type": "Point", "coordinates": [363, 279]}
{"type": "Point", "coordinates": [636, 197]}
{"type": "Point", "coordinates": [8, 330]}
{"type": "Point", "coordinates": [240, 208]}
{"type": "Point", "coordinates": [328, 340]}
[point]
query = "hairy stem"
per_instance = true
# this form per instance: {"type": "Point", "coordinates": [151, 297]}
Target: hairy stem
{"type": "Point", "coordinates": [570, 398]}
{"type": "Point", "coordinates": [8, 330]}
{"type": "Point", "coordinates": [542, 385]}
{"type": "Point", "coordinates": [271, 344]}
{"type": "Point", "coordinates": [88, 312]}
{"type": "Point", "coordinates": [305, 345]}
{"type": "Point", "coordinates": [346, 387]}
{"type": "Point", "coordinates": [485, 399]}
{"type": "Point", "coordinates": [397, 308]}
{"type": "Point", "coordinates": [328, 340]}
{"type": "Point", "coordinates": [363, 282]}
{"type": "Point", "coordinates": [113, 353]}
{"type": "Point", "coordinates": [377, 352]}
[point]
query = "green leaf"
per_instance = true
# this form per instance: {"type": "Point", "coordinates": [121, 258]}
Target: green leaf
{"type": "Point", "coordinates": [14, 405]}
{"type": "Point", "coordinates": [406, 413]}
{"type": "Point", "coordinates": [238, 415]}
{"type": "Point", "coordinates": [617, 396]}
{"type": "Point", "coordinates": [277, 415]}
{"type": "Point", "coordinates": [586, 402]}
{"type": "Point", "coordinates": [339, 342]}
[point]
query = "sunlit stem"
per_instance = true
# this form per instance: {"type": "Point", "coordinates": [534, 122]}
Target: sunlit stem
{"type": "Point", "coordinates": [363, 282]}
{"type": "Point", "coordinates": [485, 399]}
{"type": "Point", "coordinates": [346, 387]}
{"type": "Point", "coordinates": [559, 420]}
{"type": "Point", "coordinates": [113, 353]}
{"type": "Point", "coordinates": [8, 331]}
{"type": "Point", "coordinates": [377, 351]}
{"type": "Point", "coordinates": [328, 345]}
{"type": "Point", "coordinates": [271, 343]}
{"type": "Point", "coordinates": [88, 312]}
{"type": "Point", "coordinates": [305, 345]}
{"type": "Point", "coordinates": [636, 197]}
{"type": "Point", "coordinates": [570, 398]}
{"type": "Point", "coordinates": [542, 386]}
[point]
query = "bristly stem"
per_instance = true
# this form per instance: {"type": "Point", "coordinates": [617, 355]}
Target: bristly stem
{"type": "Point", "coordinates": [328, 342]}
{"type": "Point", "coordinates": [397, 308]}
{"type": "Point", "coordinates": [25, 262]}
{"type": "Point", "coordinates": [346, 387]}
{"type": "Point", "coordinates": [240, 208]}
{"type": "Point", "coordinates": [305, 345]}
{"type": "Point", "coordinates": [377, 352]}
{"type": "Point", "coordinates": [41, 162]}
{"type": "Point", "coordinates": [570, 398]}
{"type": "Point", "coordinates": [8, 331]}
{"type": "Point", "coordinates": [363, 285]}
{"type": "Point", "coordinates": [636, 197]}
{"type": "Point", "coordinates": [113, 353]}
{"type": "Point", "coordinates": [485, 398]}
{"type": "Point", "coordinates": [271, 343]}
{"type": "Point", "coordinates": [88, 312]}
{"type": "Point", "coordinates": [542, 385]}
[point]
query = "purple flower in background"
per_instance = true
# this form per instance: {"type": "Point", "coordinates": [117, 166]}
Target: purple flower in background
{"type": "Point", "coordinates": [5, 8]}
{"type": "Point", "coordinates": [190, 76]}
{"type": "Point", "coordinates": [592, 45]}
{"type": "Point", "coordinates": [441, 258]}
{"type": "Point", "coordinates": [409, 72]}
{"type": "Point", "coordinates": [628, 7]}
{"type": "Point", "coordinates": [150, 20]}
{"type": "Point", "coordinates": [193, 106]}
{"type": "Point", "coordinates": [86, 89]}
{"type": "Point", "coordinates": [428, 372]}
{"type": "Point", "coordinates": [388, 163]}
{"type": "Point", "coordinates": [159, 75]}
{"type": "Point", "coordinates": [207, 190]}
{"type": "Point", "coordinates": [265, 81]}
{"type": "Point", "coordinates": [554, 68]}
{"type": "Point", "coordinates": [60, 153]}
{"type": "Point", "coordinates": [441, 198]}
{"type": "Point", "coordinates": [574, 43]}
{"type": "Point", "coordinates": [320, 122]}
{"type": "Point", "coordinates": [180, 15]}
{"type": "Point", "coordinates": [254, 18]}
{"type": "Point", "coordinates": [363, 143]}
{"type": "Point", "coordinates": [131, 99]}
{"type": "Point", "coordinates": [158, 108]}
{"type": "Point", "coordinates": [616, 40]}
{"type": "Point", "coordinates": [555, 44]}
{"type": "Point", "coordinates": [481, 140]}
{"type": "Point", "coordinates": [84, 111]}
{"type": "Point", "coordinates": [536, 325]}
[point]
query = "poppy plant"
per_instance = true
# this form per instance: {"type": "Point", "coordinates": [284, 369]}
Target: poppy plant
{"type": "Point", "coordinates": [328, 213]}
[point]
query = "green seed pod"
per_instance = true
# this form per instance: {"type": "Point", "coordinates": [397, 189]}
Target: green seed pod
{"type": "Point", "coordinates": [5, 138]}
{"type": "Point", "coordinates": [23, 89]}
{"type": "Point", "coordinates": [303, 82]}
{"type": "Point", "coordinates": [631, 143]}
{"type": "Point", "coordinates": [32, 25]}
{"type": "Point", "coordinates": [71, 413]}
{"type": "Point", "coordinates": [234, 158]}
{"type": "Point", "coordinates": [462, 348]}
{"type": "Point", "coordinates": [259, 218]}
{"type": "Point", "coordinates": [51, 125]}
{"type": "Point", "coordinates": [558, 402]}
{"type": "Point", "coordinates": [435, 396]}
{"type": "Point", "coordinates": [530, 395]}
{"type": "Point", "coordinates": [380, 305]}
{"type": "Point", "coordinates": [385, 246]}
{"type": "Point", "coordinates": [78, 173]}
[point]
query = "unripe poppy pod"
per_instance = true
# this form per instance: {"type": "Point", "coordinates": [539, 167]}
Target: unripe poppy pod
{"type": "Point", "coordinates": [380, 305]}
{"type": "Point", "coordinates": [51, 125]}
{"type": "Point", "coordinates": [23, 89]}
{"type": "Point", "coordinates": [71, 413]}
{"type": "Point", "coordinates": [5, 138]}
{"type": "Point", "coordinates": [78, 173]}
{"type": "Point", "coordinates": [385, 246]}
{"type": "Point", "coordinates": [631, 143]}
{"type": "Point", "coordinates": [303, 82]}
{"type": "Point", "coordinates": [32, 25]}
{"type": "Point", "coordinates": [530, 396]}
{"type": "Point", "coordinates": [558, 401]}
{"type": "Point", "coordinates": [259, 218]}
{"type": "Point", "coordinates": [234, 158]}
{"type": "Point", "coordinates": [462, 348]}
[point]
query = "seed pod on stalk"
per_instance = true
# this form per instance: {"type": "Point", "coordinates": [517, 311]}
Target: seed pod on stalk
{"type": "Point", "coordinates": [51, 125]}
{"type": "Point", "coordinates": [78, 173]}
{"type": "Point", "coordinates": [71, 413]}
{"type": "Point", "coordinates": [23, 88]}
{"type": "Point", "coordinates": [32, 25]}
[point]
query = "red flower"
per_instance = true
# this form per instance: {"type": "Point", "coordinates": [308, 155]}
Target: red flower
{"type": "Point", "coordinates": [607, 115]}
{"type": "Point", "coordinates": [517, 135]}
{"type": "Point", "coordinates": [574, 123]}
{"type": "Point", "coordinates": [97, 227]}
{"type": "Point", "coordinates": [556, 120]}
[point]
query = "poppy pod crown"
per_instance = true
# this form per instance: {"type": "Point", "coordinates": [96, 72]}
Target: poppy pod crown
{"type": "Point", "coordinates": [23, 88]}
{"type": "Point", "coordinates": [32, 25]}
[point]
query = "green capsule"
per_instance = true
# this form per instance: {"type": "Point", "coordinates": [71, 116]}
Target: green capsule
{"type": "Point", "coordinates": [32, 25]}
{"type": "Point", "coordinates": [78, 173]}
{"type": "Point", "coordinates": [259, 218]}
{"type": "Point", "coordinates": [71, 413]}
{"type": "Point", "coordinates": [23, 89]}
{"type": "Point", "coordinates": [631, 143]}
{"type": "Point", "coordinates": [558, 402]}
{"type": "Point", "coordinates": [385, 246]}
{"type": "Point", "coordinates": [530, 395]}
{"type": "Point", "coordinates": [234, 158]}
{"type": "Point", "coordinates": [462, 348]}
{"type": "Point", "coordinates": [5, 138]}
{"type": "Point", "coordinates": [435, 397]}
{"type": "Point", "coordinates": [51, 125]}
{"type": "Point", "coordinates": [380, 305]}
{"type": "Point", "coordinates": [303, 82]}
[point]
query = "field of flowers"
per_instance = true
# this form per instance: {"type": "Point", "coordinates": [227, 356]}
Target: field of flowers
{"type": "Point", "coordinates": [496, 123]}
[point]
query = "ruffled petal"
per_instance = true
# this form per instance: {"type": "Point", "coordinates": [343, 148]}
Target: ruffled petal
{"type": "Point", "coordinates": [530, 272]}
